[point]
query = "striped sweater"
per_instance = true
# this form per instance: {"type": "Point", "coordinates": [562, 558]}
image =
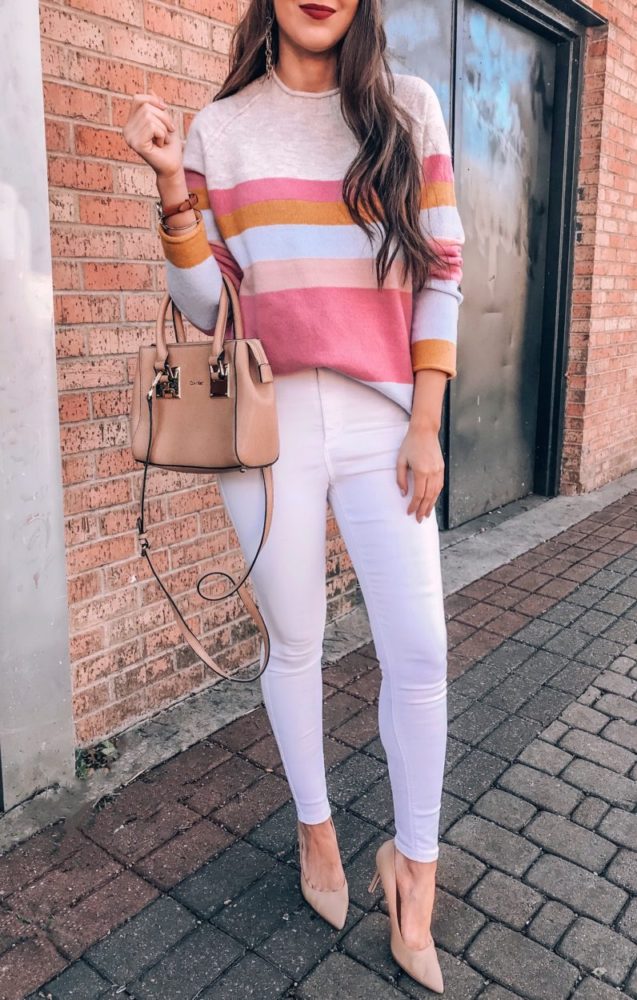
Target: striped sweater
{"type": "Point", "coordinates": [267, 164]}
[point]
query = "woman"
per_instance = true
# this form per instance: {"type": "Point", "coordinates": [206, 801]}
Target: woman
{"type": "Point", "coordinates": [324, 188]}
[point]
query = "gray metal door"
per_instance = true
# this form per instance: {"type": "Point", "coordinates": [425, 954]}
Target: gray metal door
{"type": "Point", "coordinates": [495, 78]}
{"type": "Point", "coordinates": [506, 83]}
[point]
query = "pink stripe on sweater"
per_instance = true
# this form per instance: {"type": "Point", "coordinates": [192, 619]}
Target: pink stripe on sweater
{"type": "Point", "coordinates": [360, 331]}
{"type": "Point", "coordinates": [437, 167]}
{"type": "Point", "coordinates": [224, 200]}
{"type": "Point", "coordinates": [451, 253]}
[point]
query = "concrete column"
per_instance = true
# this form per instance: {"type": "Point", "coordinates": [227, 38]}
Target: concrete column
{"type": "Point", "coordinates": [36, 723]}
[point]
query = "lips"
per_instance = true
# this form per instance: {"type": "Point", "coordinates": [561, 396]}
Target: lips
{"type": "Point", "coordinates": [318, 11]}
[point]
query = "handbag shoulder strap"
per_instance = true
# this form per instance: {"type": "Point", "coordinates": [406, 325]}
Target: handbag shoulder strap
{"type": "Point", "coordinates": [252, 608]}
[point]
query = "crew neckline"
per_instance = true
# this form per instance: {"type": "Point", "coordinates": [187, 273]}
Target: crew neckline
{"type": "Point", "coordinates": [303, 93]}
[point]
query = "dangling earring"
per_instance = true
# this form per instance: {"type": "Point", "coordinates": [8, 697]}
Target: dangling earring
{"type": "Point", "coordinates": [269, 65]}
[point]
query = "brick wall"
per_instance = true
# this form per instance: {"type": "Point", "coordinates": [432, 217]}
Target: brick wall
{"type": "Point", "coordinates": [600, 442]}
{"type": "Point", "coordinates": [108, 275]}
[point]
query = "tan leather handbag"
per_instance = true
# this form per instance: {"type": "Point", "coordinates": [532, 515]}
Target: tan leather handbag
{"type": "Point", "coordinates": [206, 407]}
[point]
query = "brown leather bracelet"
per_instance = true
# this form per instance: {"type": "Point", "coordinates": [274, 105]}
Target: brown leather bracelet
{"type": "Point", "coordinates": [183, 206]}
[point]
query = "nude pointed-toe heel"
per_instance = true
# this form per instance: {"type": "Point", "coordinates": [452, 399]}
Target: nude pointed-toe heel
{"type": "Point", "coordinates": [420, 963]}
{"type": "Point", "coordinates": [331, 904]}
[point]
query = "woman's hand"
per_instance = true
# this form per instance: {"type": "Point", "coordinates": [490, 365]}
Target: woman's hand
{"type": "Point", "coordinates": [421, 452]}
{"type": "Point", "coordinates": [151, 132]}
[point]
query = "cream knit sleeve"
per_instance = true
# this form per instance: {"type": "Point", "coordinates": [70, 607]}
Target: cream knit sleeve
{"type": "Point", "coordinates": [193, 276]}
{"type": "Point", "coordinates": [435, 316]}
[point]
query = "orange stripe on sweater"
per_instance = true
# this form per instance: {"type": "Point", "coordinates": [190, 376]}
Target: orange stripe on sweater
{"type": "Point", "coordinates": [284, 212]}
{"type": "Point", "coordinates": [437, 193]}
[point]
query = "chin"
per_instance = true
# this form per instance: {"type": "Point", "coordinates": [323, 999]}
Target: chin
{"type": "Point", "coordinates": [316, 42]}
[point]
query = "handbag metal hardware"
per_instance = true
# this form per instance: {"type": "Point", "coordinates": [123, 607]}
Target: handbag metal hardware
{"type": "Point", "coordinates": [169, 387]}
{"type": "Point", "coordinates": [219, 377]}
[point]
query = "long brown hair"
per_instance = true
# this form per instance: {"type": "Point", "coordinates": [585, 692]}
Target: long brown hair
{"type": "Point", "coordinates": [383, 184]}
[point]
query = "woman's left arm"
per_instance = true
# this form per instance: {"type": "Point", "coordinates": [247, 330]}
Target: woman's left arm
{"type": "Point", "coordinates": [435, 316]}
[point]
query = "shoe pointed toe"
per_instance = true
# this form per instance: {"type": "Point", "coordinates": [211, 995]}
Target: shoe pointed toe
{"type": "Point", "coordinates": [331, 904]}
{"type": "Point", "coordinates": [421, 964]}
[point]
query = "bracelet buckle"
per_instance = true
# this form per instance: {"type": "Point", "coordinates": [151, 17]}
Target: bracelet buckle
{"type": "Point", "coordinates": [183, 206]}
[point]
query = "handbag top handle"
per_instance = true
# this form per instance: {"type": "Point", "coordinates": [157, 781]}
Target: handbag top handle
{"type": "Point", "coordinates": [228, 305]}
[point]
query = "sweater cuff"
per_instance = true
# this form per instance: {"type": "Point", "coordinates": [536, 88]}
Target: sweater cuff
{"type": "Point", "coordinates": [434, 353]}
{"type": "Point", "coordinates": [187, 250]}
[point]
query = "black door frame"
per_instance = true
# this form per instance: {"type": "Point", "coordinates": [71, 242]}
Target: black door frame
{"type": "Point", "coordinates": [563, 22]}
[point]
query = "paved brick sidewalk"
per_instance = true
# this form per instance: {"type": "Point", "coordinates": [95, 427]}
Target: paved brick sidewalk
{"type": "Point", "coordinates": [194, 872]}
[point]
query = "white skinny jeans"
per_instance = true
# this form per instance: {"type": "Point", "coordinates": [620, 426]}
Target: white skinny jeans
{"type": "Point", "coordinates": [339, 441]}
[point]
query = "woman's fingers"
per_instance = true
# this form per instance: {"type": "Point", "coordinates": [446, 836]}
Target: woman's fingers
{"type": "Point", "coordinates": [150, 98]}
{"type": "Point", "coordinates": [163, 117]}
{"type": "Point", "coordinates": [150, 114]}
{"type": "Point", "coordinates": [418, 494]}
{"type": "Point", "coordinates": [147, 112]}
{"type": "Point", "coordinates": [150, 126]}
{"type": "Point", "coordinates": [427, 488]}
{"type": "Point", "coordinates": [427, 505]}
{"type": "Point", "coordinates": [401, 474]}
{"type": "Point", "coordinates": [158, 133]}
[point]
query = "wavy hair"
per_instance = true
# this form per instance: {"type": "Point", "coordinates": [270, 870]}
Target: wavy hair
{"type": "Point", "coordinates": [383, 184]}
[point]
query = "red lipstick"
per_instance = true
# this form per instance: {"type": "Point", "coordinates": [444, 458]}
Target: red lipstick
{"type": "Point", "coordinates": [317, 10]}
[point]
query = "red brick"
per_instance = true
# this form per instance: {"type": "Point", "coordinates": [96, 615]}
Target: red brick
{"type": "Point", "coordinates": [254, 805]}
{"type": "Point", "coordinates": [77, 928]}
{"type": "Point", "coordinates": [65, 171]}
{"type": "Point", "coordinates": [79, 873]}
{"type": "Point", "coordinates": [115, 462]}
{"type": "Point", "coordinates": [91, 670]}
{"type": "Point", "coordinates": [174, 24]}
{"type": "Point", "coordinates": [116, 276]}
{"type": "Point", "coordinates": [184, 854]}
{"type": "Point", "coordinates": [84, 586]}
{"type": "Point", "coordinates": [176, 685]}
{"type": "Point", "coordinates": [113, 211]}
{"type": "Point", "coordinates": [96, 495]}
{"type": "Point", "coordinates": [218, 10]}
{"type": "Point", "coordinates": [108, 74]}
{"type": "Point", "coordinates": [30, 963]}
{"type": "Point", "coordinates": [73, 241]}
{"type": "Point", "coordinates": [86, 308]}
{"type": "Point", "coordinates": [141, 47]}
{"type": "Point", "coordinates": [89, 436]}
{"type": "Point", "coordinates": [104, 608]}
{"type": "Point", "coordinates": [134, 824]}
{"type": "Point", "coordinates": [86, 644]}
{"type": "Point", "coordinates": [176, 91]}
{"type": "Point", "coordinates": [61, 26]}
{"type": "Point", "coordinates": [79, 530]}
{"type": "Point", "coordinates": [58, 136]}
{"type": "Point", "coordinates": [129, 11]}
{"type": "Point", "coordinates": [96, 554]}
{"type": "Point", "coordinates": [88, 374]}
{"type": "Point", "coordinates": [73, 102]}
{"type": "Point", "coordinates": [74, 406]}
